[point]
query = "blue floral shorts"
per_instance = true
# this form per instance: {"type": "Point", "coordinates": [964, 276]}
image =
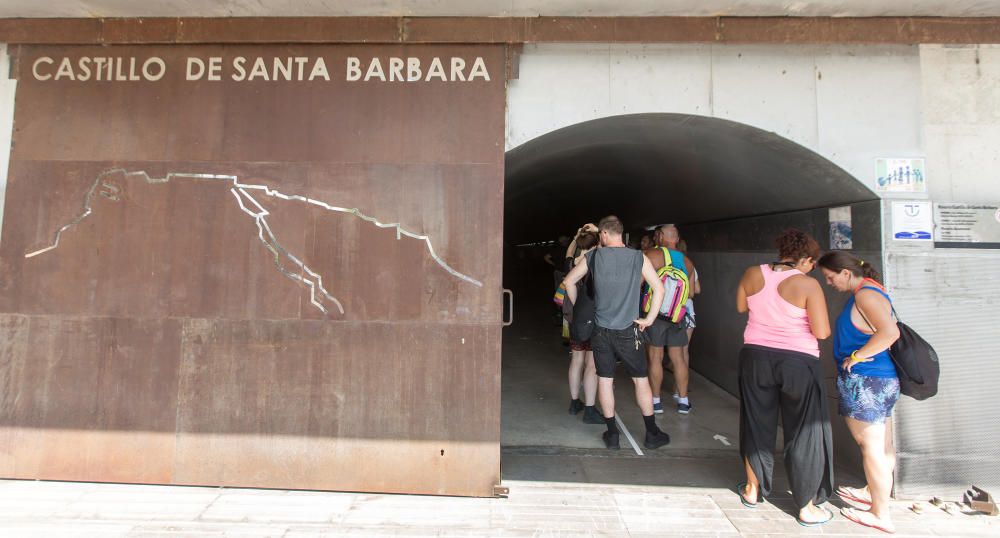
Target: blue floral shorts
{"type": "Point", "coordinates": [865, 398]}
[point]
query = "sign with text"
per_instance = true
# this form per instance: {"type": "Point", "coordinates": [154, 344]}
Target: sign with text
{"type": "Point", "coordinates": [912, 221]}
{"type": "Point", "coordinates": [261, 68]}
{"type": "Point", "coordinates": [967, 225]}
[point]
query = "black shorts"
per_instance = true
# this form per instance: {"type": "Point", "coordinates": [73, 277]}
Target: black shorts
{"type": "Point", "coordinates": [666, 333]}
{"type": "Point", "coordinates": [626, 345]}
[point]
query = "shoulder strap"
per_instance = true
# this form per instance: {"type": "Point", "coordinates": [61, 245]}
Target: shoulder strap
{"type": "Point", "coordinates": [667, 262]}
{"type": "Point", "coordinates": [864, 317]}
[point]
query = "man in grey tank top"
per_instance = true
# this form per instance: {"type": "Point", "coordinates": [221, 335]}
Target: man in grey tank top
{"type": "Point", "coordinates": [617, 273]}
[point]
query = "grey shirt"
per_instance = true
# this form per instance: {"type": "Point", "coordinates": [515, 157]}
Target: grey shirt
{"type": "Point", "coordinates": [617, 273]}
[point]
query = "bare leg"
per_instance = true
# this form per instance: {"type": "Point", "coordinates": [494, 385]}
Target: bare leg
{"type": "Point", "coordinates": [878, 468]}
{"type": "Point", "coordinates": [654, 356]}
{"type": "Point", "coordinates": [643, 395]}
{"type": "Point", "coordinates": [589, 380]}
{"type": "Point", "coordinates": [687, 348]}
{"type": "Point", "coordinates": [606, 395]}
{"type": "Point", "coordinates": [575, 373]}
{"type": "Point", "coordinates": [752, 490]}
{"type": "Point", "coordinates": [890, 451]}
{"type": "Point", "coordinates": [680, 370]}
{"type": "Point", "coordinates": [687, 356]}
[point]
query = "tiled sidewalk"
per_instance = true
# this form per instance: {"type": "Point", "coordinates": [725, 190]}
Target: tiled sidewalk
{"type": "Point", "coordinates": [47, 509]}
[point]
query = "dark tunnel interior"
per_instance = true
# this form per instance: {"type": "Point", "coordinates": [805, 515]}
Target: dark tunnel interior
{"type": "Point", "coordinates": [657, 168]}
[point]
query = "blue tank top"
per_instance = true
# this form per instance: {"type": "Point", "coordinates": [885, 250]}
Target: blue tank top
{"type": "Point", "coordinates": [848, 339]}
{"type": "Point", "coordinates": [677, 260]}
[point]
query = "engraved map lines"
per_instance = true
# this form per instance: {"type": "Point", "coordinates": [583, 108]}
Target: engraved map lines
{"type": "Point", "coordinates": [243, 193]}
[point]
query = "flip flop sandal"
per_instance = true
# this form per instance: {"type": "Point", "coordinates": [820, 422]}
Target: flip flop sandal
{"type": "Point", "coordinates": [851, 514]}
{"type": "Point", "coordinates": [829, 516]}
{"type": "Point", "coordinates": [739, 491]}
{"type": "Point", "coordinates": [852, 497]}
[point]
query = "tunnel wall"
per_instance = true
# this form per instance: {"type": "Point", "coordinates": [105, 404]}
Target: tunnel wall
{"type": "Point", "coordinates": [721, 251]}
{"type": "Point", "coordinates": [7, 89]}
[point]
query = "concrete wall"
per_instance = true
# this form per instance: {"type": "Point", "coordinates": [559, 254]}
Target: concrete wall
{"type": "Point", "coordinates": [952, 296]}
{"type": "Point", "coordinates": [850, 104]}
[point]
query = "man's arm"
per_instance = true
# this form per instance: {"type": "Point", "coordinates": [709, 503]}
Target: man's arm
{"type": "Point", "coordinates": [573, 277]}
{"type": "Point", "coordinates": [649, 275]}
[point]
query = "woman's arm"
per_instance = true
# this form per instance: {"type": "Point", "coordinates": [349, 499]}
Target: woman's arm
{"type": "Point", "coordinates": [876, 309]}
{"type": "Point", "coordinates": [741, 293]}
{"type": "Point", "coordinates": [819, 317]}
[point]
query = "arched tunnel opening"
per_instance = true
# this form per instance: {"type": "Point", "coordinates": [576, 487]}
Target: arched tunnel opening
{"type": "Point", "coordinates": [731, 189]}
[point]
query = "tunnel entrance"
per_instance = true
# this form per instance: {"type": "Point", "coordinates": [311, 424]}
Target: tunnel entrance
{"type": "Point", "coordinates": [731, 189]}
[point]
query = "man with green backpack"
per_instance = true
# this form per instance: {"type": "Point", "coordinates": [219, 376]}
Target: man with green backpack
{"type": "Point", "coordinates": [668, 330]}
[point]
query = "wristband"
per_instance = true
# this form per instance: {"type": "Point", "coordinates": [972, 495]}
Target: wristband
{"type": "Point", "coordinates": [856, 359]}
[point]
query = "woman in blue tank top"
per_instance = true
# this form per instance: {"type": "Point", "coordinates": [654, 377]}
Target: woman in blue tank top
{"type": "Point", "coordinates": [866, 382]}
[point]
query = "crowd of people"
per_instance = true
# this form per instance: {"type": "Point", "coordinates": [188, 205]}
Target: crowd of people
{"type": "Point", "coordinates": [617, 313]}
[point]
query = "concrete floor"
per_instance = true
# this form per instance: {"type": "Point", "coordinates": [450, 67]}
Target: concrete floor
{"type": "Point", "coordinates": [542, 441]}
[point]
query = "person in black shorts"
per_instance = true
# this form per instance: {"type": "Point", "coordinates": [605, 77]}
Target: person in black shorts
{"type": "Point", "coordinates": [665, 333]}
{"type": "Point", "coordinates": [616, 272]}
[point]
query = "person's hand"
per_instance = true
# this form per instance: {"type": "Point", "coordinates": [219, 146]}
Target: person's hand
{"type": "Point", "coordinates": [589, 227]}
{"type": "Point", "coordinates": [854, 359]}
{"type": "Point", "coordinates": [643, 323]}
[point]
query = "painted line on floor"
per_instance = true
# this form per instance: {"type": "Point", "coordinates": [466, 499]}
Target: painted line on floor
{"type": "Point", "coordinates": [628, 435]}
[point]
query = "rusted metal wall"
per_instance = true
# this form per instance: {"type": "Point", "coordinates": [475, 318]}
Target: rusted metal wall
{"type": "Point", "coordinates": [162, 288]}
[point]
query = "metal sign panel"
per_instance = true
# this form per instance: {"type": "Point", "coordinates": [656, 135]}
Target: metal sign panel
{"type": "Point", "coordinates": [270, 266]}
{"type": "Point", "coordinates": [967, 225]}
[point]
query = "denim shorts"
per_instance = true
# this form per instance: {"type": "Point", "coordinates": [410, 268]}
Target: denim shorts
{"type": "Point", "coordinates": [865, 398]}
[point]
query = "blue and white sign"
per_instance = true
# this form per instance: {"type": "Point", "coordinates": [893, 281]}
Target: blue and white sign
{"type": "Point", "coordinates": [912, 221]}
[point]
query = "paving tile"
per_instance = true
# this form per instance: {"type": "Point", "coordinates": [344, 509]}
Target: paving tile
{"type": "Point", "coordinates": [277, 507]}
{"type": "Point", "coordinates": [206, 529]}
{"type": "Point", "coordinates": [76, 529]}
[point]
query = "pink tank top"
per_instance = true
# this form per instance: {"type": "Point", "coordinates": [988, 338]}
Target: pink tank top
{"type": "Point", "coordinates": [776, 323]}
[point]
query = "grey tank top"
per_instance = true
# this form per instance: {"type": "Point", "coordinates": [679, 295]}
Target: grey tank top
{"type": "Point", "coordinates": [617, 273]}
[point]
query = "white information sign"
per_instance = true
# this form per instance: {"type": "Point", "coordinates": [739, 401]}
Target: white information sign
{"type": "Point", "coordinates": [912, 221]}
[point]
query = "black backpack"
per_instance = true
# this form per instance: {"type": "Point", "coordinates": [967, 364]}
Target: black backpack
{"type": "Point", "coordinates": [916, 364]}
{"type": "Point", "coordinates": [916, 361]}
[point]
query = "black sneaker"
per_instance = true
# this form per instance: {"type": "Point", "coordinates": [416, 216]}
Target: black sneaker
{"type": "Point", "coordinates": [683, 408]}
{"type": "Point", "coordinates": [591, 416]}
{"type": "Point", "coordinates": [656, 440]}
{"type": "Point", "coordinates": [611, 440]}
{"type": "Point", "coordinates": [575, 406]}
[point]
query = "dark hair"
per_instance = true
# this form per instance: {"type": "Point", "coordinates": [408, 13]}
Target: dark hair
{"type": "Point", "coordinates": [839, 260]}
{"type": "Point", "coordinates": [612, 225]}
{"type": "Point", "coordinates": [796, 245]}
{"type": "Point", "coordinates": [587, 240]}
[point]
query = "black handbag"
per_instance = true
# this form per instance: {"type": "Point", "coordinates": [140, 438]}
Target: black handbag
{"type": "Point", "coordinates": [917, 364]}
{"type": "Point", "coordinates": [581, 328]}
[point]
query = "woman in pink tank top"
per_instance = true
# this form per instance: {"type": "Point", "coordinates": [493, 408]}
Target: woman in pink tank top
{"type": "Point", "coordinates": [780, 373]}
